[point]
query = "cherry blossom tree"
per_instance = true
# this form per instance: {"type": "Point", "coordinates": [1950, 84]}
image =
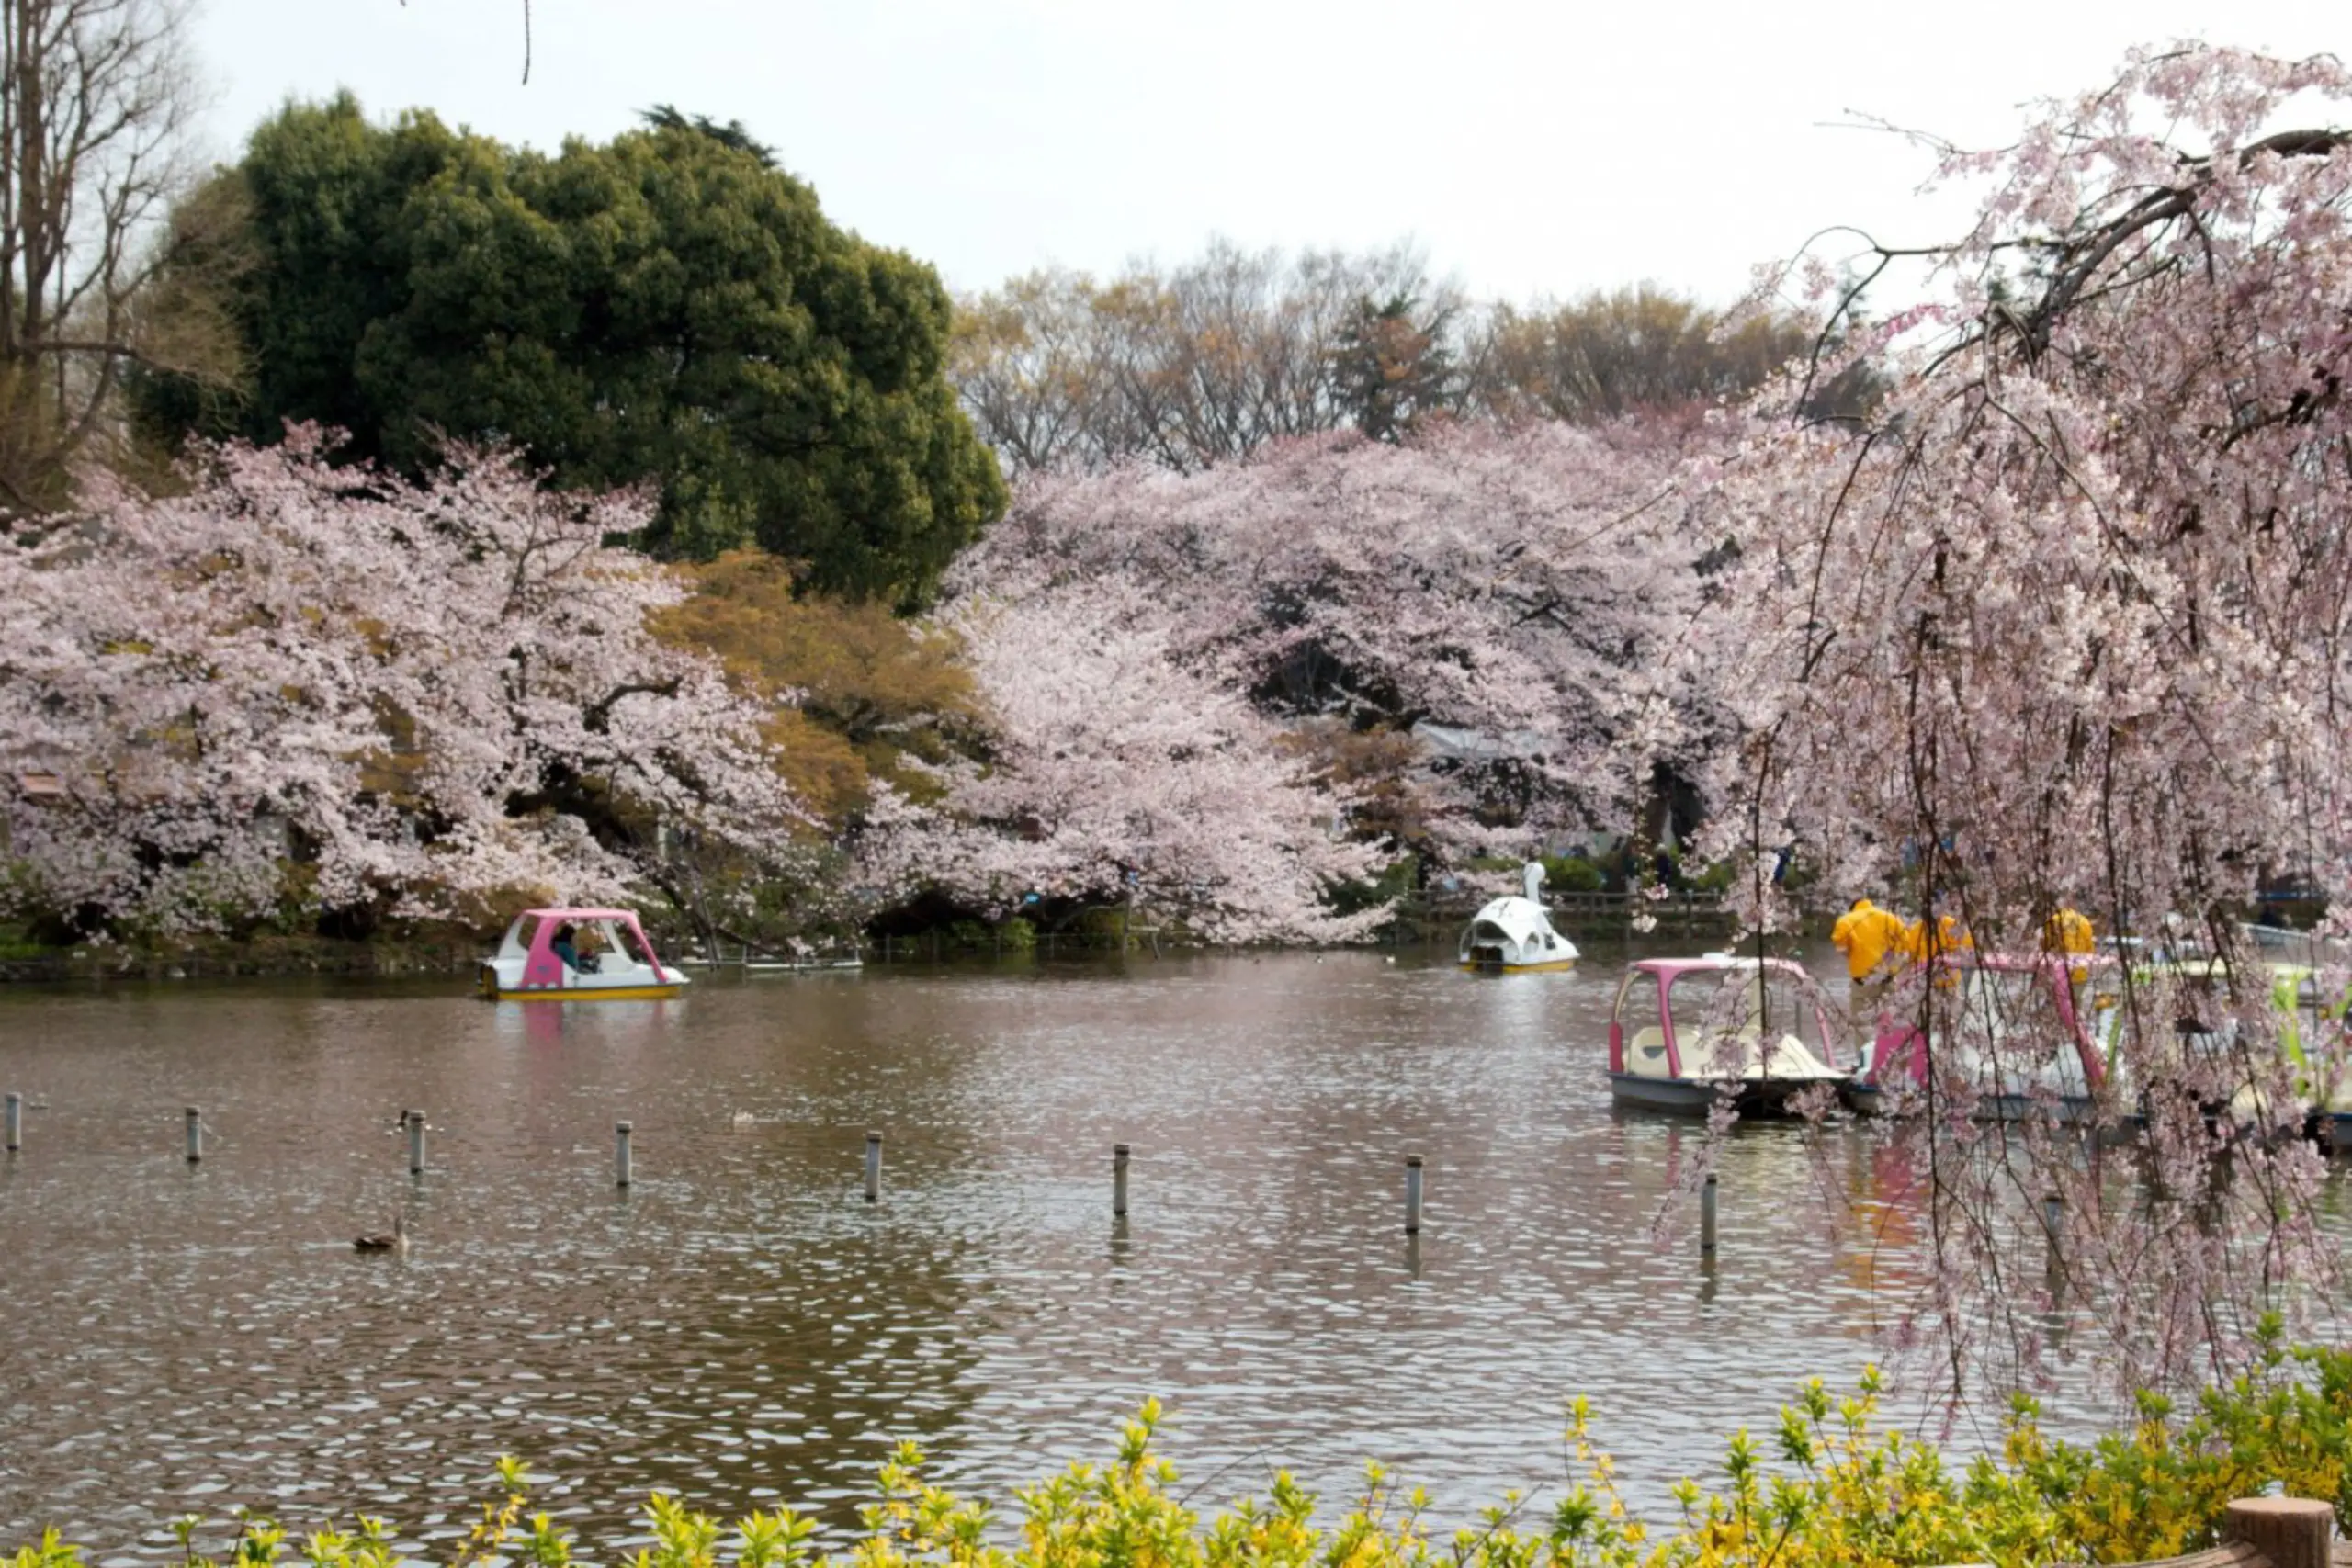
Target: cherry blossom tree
{"type": "Point", "coordinates": [1117, 771]}
{"type": "Point", "coordinates": [320, 689]}
{"type": "Point", "coordinates": [2064, 622]}
{"type": "Point", "coordinates": [1505, 596]}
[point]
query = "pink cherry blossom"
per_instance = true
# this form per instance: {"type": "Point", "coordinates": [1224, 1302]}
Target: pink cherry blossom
{"type": "Point", "coordinates": [2065, 622]}
{"type": "Point", "coordinates": [305, 686]}
{"type": "Point", "coordinates": [1518, 587]}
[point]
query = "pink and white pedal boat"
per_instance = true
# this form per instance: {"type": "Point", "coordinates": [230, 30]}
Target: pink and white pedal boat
{"type": "Point", "coordinates": [1688, 1032]}
{"type": "Point", "coordinates": [577, 955]}
{"type": "Point", "coordinates": [2017, 1028]}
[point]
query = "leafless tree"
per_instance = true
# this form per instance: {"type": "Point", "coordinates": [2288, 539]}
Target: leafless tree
{"type": "Point", "coordinates": [1201, 363]}
{"type": "Point", "coordinates": [1606, 355]}
{"type": "Point", "coordinates": [96, 109]}
{"type": "Point", "coordinates": [1186, 366]}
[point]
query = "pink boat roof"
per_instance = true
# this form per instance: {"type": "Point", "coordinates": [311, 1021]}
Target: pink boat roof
{"type": "Point", "coordinates": [560, 913]}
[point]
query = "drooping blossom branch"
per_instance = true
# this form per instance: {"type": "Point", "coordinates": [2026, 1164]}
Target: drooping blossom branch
{"type": "Point", "coordinates": [2063, 624]}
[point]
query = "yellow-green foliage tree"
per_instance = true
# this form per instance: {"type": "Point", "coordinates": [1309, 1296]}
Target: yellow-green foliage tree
{"type": "Point", "coordinates": [858, 695]}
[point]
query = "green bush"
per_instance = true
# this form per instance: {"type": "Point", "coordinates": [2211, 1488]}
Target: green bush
{"type": "Point", "coordinates": [1573, 873]}
{"type": "Point", "coordinates": [1828, 1489]}
{"type": "Point", "coordinates": [1395, 881]}
{"type": "Point", "coordinates": [1015, 935]}
{"type": "Point", "coordinates": [1717, 877]}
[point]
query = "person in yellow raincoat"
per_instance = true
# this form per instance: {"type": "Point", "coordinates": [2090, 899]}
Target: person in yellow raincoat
{"type": "Point", "coordinates": [1924, 941]}
{"type": "Point", "coordinates": [1872, 941]}
{"type": "Point", "coordinates": [2069, 931]}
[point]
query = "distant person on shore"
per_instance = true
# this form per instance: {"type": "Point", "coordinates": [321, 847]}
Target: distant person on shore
{"type": "Point", "coordinates": [1873, 941]}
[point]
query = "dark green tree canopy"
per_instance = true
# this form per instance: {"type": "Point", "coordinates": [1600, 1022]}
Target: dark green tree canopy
{"type": "Point", "coordinates": [669, 117]}
{"type": "Point", "coordinates": [1391, 369]}
{"type": "Point", "coordinates": [666, 308]}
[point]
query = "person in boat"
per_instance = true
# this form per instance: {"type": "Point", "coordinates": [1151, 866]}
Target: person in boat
{"type": "Point", "coordinates": [566, 946]}
{"type": "Point", "coordinates": [1873, 940]}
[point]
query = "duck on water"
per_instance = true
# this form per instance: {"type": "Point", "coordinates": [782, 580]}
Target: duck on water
{"type": "Point", "coordinates": [393, 1240]}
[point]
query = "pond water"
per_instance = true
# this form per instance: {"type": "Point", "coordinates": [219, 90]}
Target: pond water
{"type": "Point", "coordinates": [742, 1328]}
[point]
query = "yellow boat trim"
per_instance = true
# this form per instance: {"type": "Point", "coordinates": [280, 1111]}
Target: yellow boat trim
{"type": "Point", "coordinates": [605, 994]}
{"type": "Point", "coordinates": [1549, 967]}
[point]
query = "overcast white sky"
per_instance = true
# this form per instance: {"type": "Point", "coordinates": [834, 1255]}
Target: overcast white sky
{"type": "Point", "coordinates": [1536, 148]}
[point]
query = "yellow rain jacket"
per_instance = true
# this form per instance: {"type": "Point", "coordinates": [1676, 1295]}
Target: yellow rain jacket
{"type": "Point", "coordinates": [2069, 931]}
{"type": "Point", "coordinates": [1946, 937]}
{"type": "Point", "coordinates": [1868, 936]}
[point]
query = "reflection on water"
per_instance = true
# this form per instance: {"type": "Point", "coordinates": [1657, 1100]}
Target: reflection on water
{"type": "Point", "coordinates": [741, 1328]}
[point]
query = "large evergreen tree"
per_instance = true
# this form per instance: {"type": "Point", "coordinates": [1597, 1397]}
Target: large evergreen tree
{"type": "Point", "coordinates": [664, 308]}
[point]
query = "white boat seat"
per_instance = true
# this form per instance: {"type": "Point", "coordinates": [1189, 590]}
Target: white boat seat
{"type": "Point", "coordinates": [1645, 1053]}
{"type": "Point", "coordinates": [1792, 1059]}
{"type": "Point", "coordinates": [1742, 1054]}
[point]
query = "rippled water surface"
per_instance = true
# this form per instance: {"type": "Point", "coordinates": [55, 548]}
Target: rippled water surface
{"type": "Point", "coordinates": [742, 1327]}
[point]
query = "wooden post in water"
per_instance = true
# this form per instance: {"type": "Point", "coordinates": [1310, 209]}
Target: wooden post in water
{"type": "Point", "coordinates": [194, 1134]}
{"type": "Point", "coordinates": [622, 1162]}
{"type": "Point", "coordinates": [1412, 1194]}
{"type": "Point", "coordinates": [415, 1120]}
{"type": "Point", "coordinates": [2292, 1532]}
{"type": "Point", "coordinates": [1118, 1181]}
{"type": "Point", "coordinates": [1707, 1215]}
{"type": "Point", "coordinates": [16, 1128]}
{"type": "Point", "coordinates": [873, 1167]}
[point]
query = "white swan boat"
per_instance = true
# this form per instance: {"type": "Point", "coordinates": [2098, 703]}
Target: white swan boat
{"type": "Point", "coordinates": [1514, 936]}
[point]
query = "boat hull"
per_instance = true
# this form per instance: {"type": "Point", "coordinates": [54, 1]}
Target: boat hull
{"type": "Point", "coordinates": [1696, 1096]}
{"type": "Point", "coordinates": [611, 994]}
{"type": "Point", "coordinates": [2332, 1128]}
{"type": "Point", "coordinates": [493, 990]}
{"type": "Point", "coordinates": [2069, 1111]}
{"type": "Point", "coordinates": [1496, 967]}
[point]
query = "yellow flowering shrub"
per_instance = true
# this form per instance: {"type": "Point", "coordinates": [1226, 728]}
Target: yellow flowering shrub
{"type": "Point", "coordinates": [2159, 1489]}
{"type": "Point", "coordinates": [1828, 1489]}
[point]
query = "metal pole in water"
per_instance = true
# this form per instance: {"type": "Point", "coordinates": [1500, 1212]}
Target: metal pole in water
{"type": "Point", "coordinates": [1412, 1194]}
{"type": "Point", "coordinates": [194, 1134]}
{"type": "Point", "coordinates": [621, 1172]}
{"type": "Point", "coordinates": [15, 1121]}
{"type": "Point", "coordinates": [873, 1167]}
{"type": "Point", "coordinates": [1707, 1215]}
{"type": "Point", "coordinates": [1118, 1180]}
{"type": "Point", "coordinates": [415, 1120]}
